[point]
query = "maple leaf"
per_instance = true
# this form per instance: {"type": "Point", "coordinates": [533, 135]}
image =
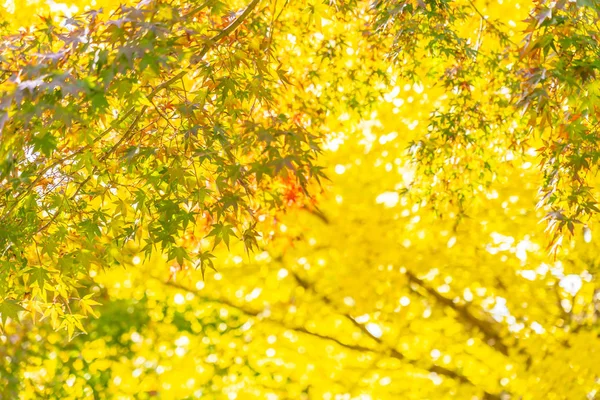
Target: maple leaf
{"type": "Point", "coordinates": [9, 309]}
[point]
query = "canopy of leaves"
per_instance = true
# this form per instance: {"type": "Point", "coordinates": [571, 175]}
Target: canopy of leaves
{"type": "Point", "coordinates": [148, 145]}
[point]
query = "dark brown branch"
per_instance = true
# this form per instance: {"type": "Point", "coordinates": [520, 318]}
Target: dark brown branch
{"type": "Point", "coordinates": [492, 337]}
{"type": "Point", "coordinates": [256, 313]}
{"type": "Point", "coordinates": [389, 351]}
{"type": "Point", "coordinates": [393, 351]}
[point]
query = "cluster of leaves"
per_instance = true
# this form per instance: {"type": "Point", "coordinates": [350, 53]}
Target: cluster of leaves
{"type": "Point", "coordinates": [139, 129]}
{"type": "Point", "coordinates": [560, 97]}
{"type": "Point", "coordinates": [503, 93]}
{"type": "Point", "coordinates": [463, 61]}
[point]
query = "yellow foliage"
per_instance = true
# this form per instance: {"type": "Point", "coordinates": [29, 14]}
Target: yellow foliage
{"type": "Point", "coordinates": [363, 293]}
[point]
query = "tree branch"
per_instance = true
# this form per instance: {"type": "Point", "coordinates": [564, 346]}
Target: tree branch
{"type": "Point", "coordinates": [492, 337]}
{"type": "Point", "coordinates": [256, 313]}
{"type": "Point", "coordinates": [393, 351]}
{"type": "Point", "coordinates": [389, 351]}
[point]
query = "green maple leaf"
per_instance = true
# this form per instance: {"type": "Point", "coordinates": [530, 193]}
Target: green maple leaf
{"type": "Point", "coordinates": [9, 309]}
{"type": "Point", "coordinates": [99, 102]}
{"type": "Point", "coordinates": [39, 275]}
{"type": "Point", "coordinates": [249, 237]}
{"type": "Point", "coordinates": [45, 143]}
{"type": "Point", "coordinates": [179, 254]}
{"type": "Point", "coordinates": [204, 261]}
{"type": "Point", "coordinates": [222, 232]}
